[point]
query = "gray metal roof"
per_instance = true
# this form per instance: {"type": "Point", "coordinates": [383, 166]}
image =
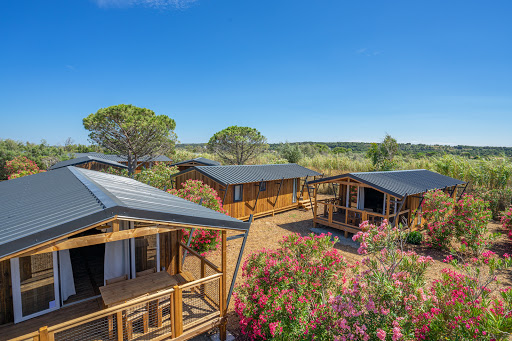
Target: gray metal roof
{"type": "Point", "coordinates": [123, 158]}
{"type": "Point", "coordinates": [402, 182]}
{"type": "Point", "coordinates": [241, 174]}
{"type": "Point", "coordinates": [41, 207]}
{"type": "Point", "coordinates": [86, 159]}
{"type": "Point", "coordinates": [201, 160]}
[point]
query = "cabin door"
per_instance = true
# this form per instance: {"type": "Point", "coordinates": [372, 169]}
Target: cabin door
{"type": "Point", "coordinates": [35, 285]}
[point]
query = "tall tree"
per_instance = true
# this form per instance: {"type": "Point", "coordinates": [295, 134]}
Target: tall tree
{"type": "Point", "coordinates": [382, 154]}
{"type": "Point", "coordinates": [132, 131]}
{"type": "Point", "coordinates": [237, 145]}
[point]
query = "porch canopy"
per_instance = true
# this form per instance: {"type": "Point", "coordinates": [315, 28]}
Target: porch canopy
{"type": "Point", "coordinates": [398, 183]}
{"type": "Point", "coordinates": [43, 208]}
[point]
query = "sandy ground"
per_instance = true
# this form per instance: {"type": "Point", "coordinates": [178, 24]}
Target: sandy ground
{"type": "Point", "coordinates": [267, 232]}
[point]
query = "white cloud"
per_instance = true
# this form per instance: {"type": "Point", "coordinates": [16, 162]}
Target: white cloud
{"type": "Point", "coordinates": [145, 3]}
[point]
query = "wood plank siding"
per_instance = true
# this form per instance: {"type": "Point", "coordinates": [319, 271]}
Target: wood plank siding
{"type": "Point", "coordinates": [268, 202]}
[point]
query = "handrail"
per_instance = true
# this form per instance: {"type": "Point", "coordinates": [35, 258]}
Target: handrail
{"type": "Point", "coordinates": [109, 311]}
{"type": "Point", "coordinates": [201, 281]}
{"type": "Point", "coordinates": [201, 257]}
{"type": "Point", "coordinates": [360, 211]}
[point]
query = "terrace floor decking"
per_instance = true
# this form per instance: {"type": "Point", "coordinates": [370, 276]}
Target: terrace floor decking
{"type": "Point", "coordinates": [195, 308]}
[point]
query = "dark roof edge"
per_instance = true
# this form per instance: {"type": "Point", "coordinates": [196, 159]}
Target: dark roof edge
{"type": "Point", "coordinates": [351, 176]}
{"type": "Point", "coordinates": [100, 193]}
{"type": "Point", "coordinates": [93, 159]}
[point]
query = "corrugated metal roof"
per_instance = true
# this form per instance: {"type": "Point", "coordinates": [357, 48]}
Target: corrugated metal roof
{"type": "Point", "coordinates": [45, 206]}
{"type": "Point", "coordinates": [241, 174]}
{"type": "Point", "coordinates": [86, 159]}
{"type": "Point", "coordinates": [123, 158]}
{"type": "Point", "coordinates": [400, 183]}
{"type": "Point", "coordinates": [201, 160]}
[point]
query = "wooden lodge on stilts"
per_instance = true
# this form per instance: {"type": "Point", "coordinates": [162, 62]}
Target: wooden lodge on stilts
{"type": "Point", "coordinates": [86, 255]}
{"type": "Point", "coordinates": [254, 190]}
{"type": "Point", "coordinates": [374, 196]}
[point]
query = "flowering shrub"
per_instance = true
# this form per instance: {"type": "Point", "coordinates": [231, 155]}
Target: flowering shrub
{"type": "Point", "coordinates": [21, 166]}
{"type": "Point", "coordinates": [198, 192]}
{"type": "Point", "coordinates": [285, 294]}
{"type": "Point", "coordinates": [465, 219]}
{"type": "Point", "coordinates": [381, 299]}
{"type": "Point", "coordinates": [435, 212]}
{"type": "Point", "coordinates": [462, 305]}
{"type": "Point", "coordinates": [470, 217]}
{"type": "Point", "coordinates": [506, 221]}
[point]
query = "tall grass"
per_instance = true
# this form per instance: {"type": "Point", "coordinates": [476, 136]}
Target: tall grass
{"type": "Point", "coordinates": [491, 173]}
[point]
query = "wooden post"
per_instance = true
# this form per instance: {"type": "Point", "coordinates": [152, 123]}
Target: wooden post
{"type": "Point", "coordinates": [43, 334]}
{"type": "Point", "coordinates": [331, 206]}
{"type": "Point", "coordinates": [178, 311]}
{"type": "Point", "coordinates": [120, 326]}
{"type": "Point", "coordinates": [387, 207]}
{"type": "Point", "coordinates": [180, 253]}
{"type": "Point", "coordinates": [223, 287]}
{"type": "Point", "coordinates": [172, 315]}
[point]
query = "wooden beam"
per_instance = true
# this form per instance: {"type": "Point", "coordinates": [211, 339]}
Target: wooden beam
{"type": "Point", "coordinates": [56, 240]}
{"type": "Point", "coordinates": [100, 239]}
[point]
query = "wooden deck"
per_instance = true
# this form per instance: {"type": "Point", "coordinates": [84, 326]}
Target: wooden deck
{"type": "Point", "coordinates": [10, 331]}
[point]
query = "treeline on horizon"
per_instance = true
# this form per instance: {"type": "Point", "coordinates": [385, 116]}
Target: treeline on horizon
{"type": "Point", "coordinates": [405, 149]}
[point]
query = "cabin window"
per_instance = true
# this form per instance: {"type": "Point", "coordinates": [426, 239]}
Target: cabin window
{"type": "Point", "coordinates": [238, 193]}
{"type": "Point", "coordinates": [263, 186]}
{"type": "Point", "coordinates": [34, 285]}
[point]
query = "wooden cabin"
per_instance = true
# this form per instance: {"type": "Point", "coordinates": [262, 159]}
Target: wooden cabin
{"type": "Point", "coordinates": [89, 162]}
{"type": "Point", "coordinates": [143, 162]}
{"type": "Point", "coordinates": [86, 255]}
{"type": "Point", "coordinates": [256, 190]}
{"type": "Point", "coordinates": [198, 161]}
{"type": "Point", "coordinates": [375, 196]}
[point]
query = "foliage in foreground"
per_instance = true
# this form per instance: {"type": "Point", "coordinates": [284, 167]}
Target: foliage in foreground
{"type": "Point", "coordinates": [286, 291]}
{"type": "Point", "coordinates": [385, 297]}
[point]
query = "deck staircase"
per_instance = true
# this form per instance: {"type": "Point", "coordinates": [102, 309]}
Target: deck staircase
{"type": "Point", "coordinates": [305, 204]}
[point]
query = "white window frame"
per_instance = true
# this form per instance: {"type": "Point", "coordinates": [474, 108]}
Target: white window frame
{"type": "Point", "coordinates": [241, 193]}
{"type": "Point", "coordinates": [16, 289]}
{"type": "Point", "coordinates": [294, 190]}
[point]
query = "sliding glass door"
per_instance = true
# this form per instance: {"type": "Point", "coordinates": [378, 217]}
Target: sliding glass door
{"type": "Point", "coordinates": [34, 285]}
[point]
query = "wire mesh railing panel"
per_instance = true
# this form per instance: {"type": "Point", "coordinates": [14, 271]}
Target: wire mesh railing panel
{"type": "Point", "coordinates": [200, 301]}
{"type": "Point", "coordinates": [211, 289]}
{"type": "Point", "coordinates": [104, 328]}
{"type": "Point", "coordinates": [144, 320]}
{"type": "Point", "coordinates": [192, 264]}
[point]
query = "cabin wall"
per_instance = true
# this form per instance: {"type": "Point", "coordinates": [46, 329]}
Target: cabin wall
{"type": "Point", "coordinates": [266, 201]}
{"type": "Point", "coordinates": [6, 305]}
{"type": "Point", "coordinates": [195, 175]}
{"type": "Point", "coordinates": [169, 248]}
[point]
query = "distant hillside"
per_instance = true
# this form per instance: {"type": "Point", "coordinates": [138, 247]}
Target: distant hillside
{"type": "Point", "coordinates": [405, 148]}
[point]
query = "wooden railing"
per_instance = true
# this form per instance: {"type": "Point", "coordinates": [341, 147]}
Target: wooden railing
{"type": "Point", "coordinates": [326, 209]}
{"type": "Point", "coordinates": [156, 317]}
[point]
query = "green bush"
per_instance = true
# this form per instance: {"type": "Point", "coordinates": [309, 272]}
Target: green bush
{"type": "Point", "coordinates": [415, 238]}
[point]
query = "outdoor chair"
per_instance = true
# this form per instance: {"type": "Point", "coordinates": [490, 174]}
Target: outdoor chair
{"type": "Point", "coordinates": [130, 316]}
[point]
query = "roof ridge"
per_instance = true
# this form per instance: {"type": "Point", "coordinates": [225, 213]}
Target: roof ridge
{"type": "Point", "coordinates": [265, 165]}
{"type": "Point", "coordinates": [393, 171]}
{"type": "Point", "coordinates": [102, 195]}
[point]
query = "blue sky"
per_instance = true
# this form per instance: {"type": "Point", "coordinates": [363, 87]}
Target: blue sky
{"type": "Point", "coordinates": [423, 71]}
